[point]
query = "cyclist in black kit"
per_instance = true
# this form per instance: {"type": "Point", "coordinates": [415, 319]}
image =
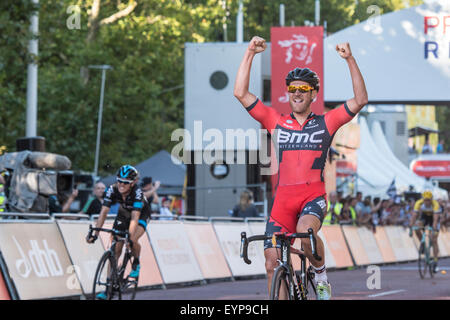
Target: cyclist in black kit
{"type": "Point", "coordinates": [133, 215]}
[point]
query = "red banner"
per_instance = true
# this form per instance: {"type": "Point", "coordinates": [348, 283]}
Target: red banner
{"type": "Point", "coordinates": [294, 47]}
{"type": "Point", "coordinates": [345, 168]}
{"type": "Point", "coordinates": [431, 168]}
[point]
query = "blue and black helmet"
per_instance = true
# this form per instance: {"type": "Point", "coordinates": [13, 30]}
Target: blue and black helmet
{"type": "Point", "coordinates": [127, 172]}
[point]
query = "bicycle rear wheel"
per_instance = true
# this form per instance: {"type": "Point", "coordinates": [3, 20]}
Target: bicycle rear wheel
{"type": "Point", "coordinates": [105, 277]}
{"type": "Point", "coordinates": [128, 286]}
{"type": "Point", "coordinates": [280, 286]}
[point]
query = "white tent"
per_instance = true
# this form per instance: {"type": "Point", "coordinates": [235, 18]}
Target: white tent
{"type": "Point", "coordinates": [378, 166]}
{"type": "Point", "coordinates": [395, 56]}
{"type": "Point", "coordinates": [374, 174]}
{"type": "Point", "coordinates": [399, 168]}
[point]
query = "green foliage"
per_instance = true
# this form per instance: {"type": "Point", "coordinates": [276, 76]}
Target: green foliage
{"type": "Point", "coordinates": [144, 97]}
{"type": "Point", "coordinates": [14, 38]}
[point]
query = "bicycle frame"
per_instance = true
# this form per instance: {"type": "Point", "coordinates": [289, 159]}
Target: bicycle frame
{"type": "Point", "coordinates": [120, 281]}
{"type": "Point", "coordinates": [297, 289]}
{"type": "Point", "coordinates": [425, 249]}
{"type": "Point", "coordinates": [424, 237]}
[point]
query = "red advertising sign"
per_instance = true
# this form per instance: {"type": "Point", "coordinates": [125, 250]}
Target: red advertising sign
{"type": "Point", "coordinates": [431, 168]}
{"type": "Point", "coordinates": [4, 294]}
{"type": "Point", "coordinates": [294, 47]}
{"type": "Point", "coordinates": [345, 168]}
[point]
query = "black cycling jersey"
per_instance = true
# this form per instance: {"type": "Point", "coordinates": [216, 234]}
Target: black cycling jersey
{"type": "Point", "coordinates": [135, 201]}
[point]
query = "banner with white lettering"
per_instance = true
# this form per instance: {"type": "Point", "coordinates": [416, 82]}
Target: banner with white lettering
{"type": "Point", "coordinates": [85, 257]}
{"type": "Point", "coordinates": [37, 260]}
{"type": "Point", "coordinates": [294, 47]}
{"type": "Point", "coordinates": [173, 251]}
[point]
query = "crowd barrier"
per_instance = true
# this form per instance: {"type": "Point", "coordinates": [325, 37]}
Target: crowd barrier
{"type": "Point", "coordinates": [174, 254]}
{"type": "Point", "coordinates": [42, 259]}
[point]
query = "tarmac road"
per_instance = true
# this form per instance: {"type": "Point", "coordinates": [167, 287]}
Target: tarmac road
{"type": "Point", "coordinates": [396, 282]}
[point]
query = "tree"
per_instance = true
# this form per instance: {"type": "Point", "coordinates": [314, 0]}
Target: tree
{"type": "Point", "coordinates": [144, 41]}
{"type": "Point", "coordinates": [14, 36]}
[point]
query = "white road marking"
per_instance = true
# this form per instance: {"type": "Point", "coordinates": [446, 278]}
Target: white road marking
{"type": "Point", "coordinates": [385, 293]}
{"type": "Point", "coordinates": [415, 268]}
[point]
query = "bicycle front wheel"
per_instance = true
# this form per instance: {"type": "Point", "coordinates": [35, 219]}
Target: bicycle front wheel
{"type": "Point", "coordinates": [103, 287]}
{"type": "Point", "coordinates": [279, 289]}
{"type": "Point", "coordinates": [423, 260]}
{"type": "Point", "coordinates": [312, 293]}
{"type": "Point", "coordinates": [128, 286]}
{"type": "Point", "coordinates": [430, 262]}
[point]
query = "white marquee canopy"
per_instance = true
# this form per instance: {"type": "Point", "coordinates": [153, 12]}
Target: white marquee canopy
{"type": "Point", "coordinates": [404, 56]}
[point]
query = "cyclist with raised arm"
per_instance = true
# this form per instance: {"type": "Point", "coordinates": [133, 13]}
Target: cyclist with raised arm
{"type": "Point", "coordinates": [133, 214]}
{"type": "Point", "coordinates": [303, 139]}
{"type": "Point", "coordinates": [428, 212]}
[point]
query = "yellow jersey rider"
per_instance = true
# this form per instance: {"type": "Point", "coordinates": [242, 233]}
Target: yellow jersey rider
{"type": "Point", "coordinates": [427, 213]}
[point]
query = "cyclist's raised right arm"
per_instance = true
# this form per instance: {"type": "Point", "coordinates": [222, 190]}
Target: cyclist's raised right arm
{"type": "Point", "coordinates": [256, 45]}
{"type": "Point", "coordinates": [265, 115]}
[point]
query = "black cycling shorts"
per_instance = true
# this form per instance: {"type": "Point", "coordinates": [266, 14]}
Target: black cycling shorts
{"type": "Point", "coordinates": [122, 223]}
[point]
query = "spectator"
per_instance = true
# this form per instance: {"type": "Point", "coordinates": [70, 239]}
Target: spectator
{"type": "Point", "coordinates": [359, 204]}
{"type": "Point", "coordinates": [165, 212]}
{"type": "Point", "coordinates": [345, 216]}
{"type": "Point", "coordinates": [365, 213]}
{"type": "Point", "coordinates": [150, 192]}
{"type": "Point", "coordinates": [412, 149]}
{"type": "Point", "coordinates": [426, 149]}
{"type": "Point", "coordinates": [94, 204]}
{"type": "Point", "coordinates": [340, 197]}
{"type": "Point", "coordinates": [405, 215]}
{"type": "Point", "coordinates": [392, 216]}
{"type": "Point", "coordinates": [54, 202]}
{"type": "Point", "coordinates": [385, 211]}
{"type": "Point", "coordinates": [333, 209]}
{"type": "Point", "coordinates": [444, 218]}
{"type": "Point", "coordinates": [245, 208]}
{"type": "Point", "coordinates": [2, 194]}
{"type": "Point", "coordinates": [376, 212]}
{"type": "Point", "coordinates": [440, 146]}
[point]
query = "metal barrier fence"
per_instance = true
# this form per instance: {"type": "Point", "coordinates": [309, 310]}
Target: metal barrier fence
{"type": "Point", "coordinates": [48, 257]}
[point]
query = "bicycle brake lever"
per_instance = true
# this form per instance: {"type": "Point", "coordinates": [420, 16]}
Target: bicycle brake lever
{"type": "Point", "coordinates": [313, 245]}
{"type": "Point", "coordinates": [244, 247]}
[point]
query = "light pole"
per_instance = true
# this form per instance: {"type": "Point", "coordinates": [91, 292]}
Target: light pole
{"type": "Point", "coordinates": [103, 67]}
{"type": "Point", "coordinates": [32, 74]}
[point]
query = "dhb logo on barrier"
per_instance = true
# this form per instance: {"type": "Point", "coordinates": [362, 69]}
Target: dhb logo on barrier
{"type": "Point", "coordinates": [43, 262]}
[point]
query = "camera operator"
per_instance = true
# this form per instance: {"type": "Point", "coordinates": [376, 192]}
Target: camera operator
{"type": "Point", "coordinates": [54, 202]}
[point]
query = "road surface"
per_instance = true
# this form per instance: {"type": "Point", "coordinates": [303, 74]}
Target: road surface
{"type": "Point", "coordinates": [396, 282]}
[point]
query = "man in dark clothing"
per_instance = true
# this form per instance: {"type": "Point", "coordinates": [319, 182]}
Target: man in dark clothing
{"type": "Point", "coordinates": [94, 205]}
{"type": "Point", "coordinates": [245, 208]}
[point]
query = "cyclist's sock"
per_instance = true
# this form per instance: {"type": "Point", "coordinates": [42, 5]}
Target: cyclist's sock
{"type": "Point", "coordinates": [321, 274]}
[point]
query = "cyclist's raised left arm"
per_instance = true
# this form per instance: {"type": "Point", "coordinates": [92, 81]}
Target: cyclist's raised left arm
{"type": "Point", "coordinates": [360, 98]}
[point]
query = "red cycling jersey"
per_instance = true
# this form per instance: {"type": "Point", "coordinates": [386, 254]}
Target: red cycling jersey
{"type": "Point", "coordinates": [301, 152]}
{"type": "Point", "coordinates": [302, 149]}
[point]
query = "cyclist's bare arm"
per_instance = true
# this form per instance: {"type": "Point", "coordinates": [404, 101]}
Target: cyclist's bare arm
{"type": "Point", "coordinates": [134, 221]}
{"type": "Point", "coordinates": [256, 45]}
{"type": "Point", "coordinates": [101, 220]}
{"type": "Point", "coordinates": [413, 218]}
{"type": "Point", "coordinates": [360, 99]}
{"type": "Point", "coordinates": [435, 220]}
